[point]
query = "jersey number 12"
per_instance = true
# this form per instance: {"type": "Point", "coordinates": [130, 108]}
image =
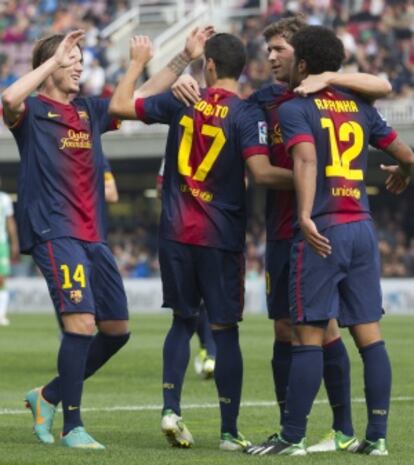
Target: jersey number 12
{"type": "Point", "coordinates": [341, 162]}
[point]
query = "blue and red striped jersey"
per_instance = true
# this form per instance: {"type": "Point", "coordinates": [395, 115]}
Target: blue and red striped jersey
{"type": "Point", "coordinates": [61, 180]}
{"type": "Point", "coordinates": [280, 204]}
{"type": "Point", "coordinates": [341, 126]}
{"type": "Point", "coordinates": [203, 196]}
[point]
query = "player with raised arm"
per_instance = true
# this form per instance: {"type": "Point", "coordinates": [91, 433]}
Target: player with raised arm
{"type": "Point", "coordinates": [203, 219]}
{"type": "Point", "coordinates": [280, 217]}
{"type": "Point", "coordinates": [61, 217]}
{"type": "Point", "coordinates": [335, 270]}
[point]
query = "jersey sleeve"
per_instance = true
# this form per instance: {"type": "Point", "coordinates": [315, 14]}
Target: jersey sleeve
{"type": "Point", "coordinates": [293, 123]}
{"type": "Point", "coordinates": [106, 122]}
{"type": "Point", "coordinates": [157, 109]}
{"type": "Point", "coordinates": [23, 121]}
{"type": "Point", "coordinates": [381, 134]}
{"type": "Point", "coordinates": [253, 132]}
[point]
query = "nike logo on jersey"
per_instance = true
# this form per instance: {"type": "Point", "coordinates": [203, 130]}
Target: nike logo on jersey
{"type": "Point", "coordinates": [52, 115]}
{"type": "Point", "coordinates": [83, 115]}
{"type": "Point", "coordinates": [72, 407]}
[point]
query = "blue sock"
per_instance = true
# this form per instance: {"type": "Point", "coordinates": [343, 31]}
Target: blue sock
{"type": "Point", "coordinates": [336, 373]}
{"type": "Point", "coordinates": [304, 381]}
{"type": "Point", "coordinates": [72, 357]}
{"type": "Point", "coordinates": [204, 333]}
{"type": "Point", "coordinates": [176, 354]}
{"type": "Point", "coordinates": [377, 378]}
{"type": "Point", "coordinates": [228, 375]}
{"type": "Point", "coordinates": [282, 357]}
{"type": "Point", "coordinates": [102, 348]}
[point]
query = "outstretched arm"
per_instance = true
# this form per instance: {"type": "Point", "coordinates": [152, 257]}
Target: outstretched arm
{"type": "Point", "coordinates": [368, 85]}
{"type": "Point", "coordinates": [399, 176]}
{"type": "Point", "coordinates": [122, 104]}
{"type": "Point", "coordinates": [269, 176]}
{"type": "Point", "coordinates": [193, 49]}
{"type": "Point", "coordinates": [14, 96]}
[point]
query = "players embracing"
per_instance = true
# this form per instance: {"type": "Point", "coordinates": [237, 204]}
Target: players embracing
{"type": "Point", "coordinates": [334, 262]}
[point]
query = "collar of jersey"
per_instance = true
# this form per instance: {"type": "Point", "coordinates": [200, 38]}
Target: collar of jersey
{"type": "Point", "coordinates": [219, 91]}
{"type": "Point", "coordinates": [55, 103]}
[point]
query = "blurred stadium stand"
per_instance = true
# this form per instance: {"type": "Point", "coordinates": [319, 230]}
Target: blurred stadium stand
{"type": "Point", "coordinates": [377, 35]}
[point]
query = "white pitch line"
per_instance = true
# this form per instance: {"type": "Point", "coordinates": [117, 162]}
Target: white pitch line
{"type": "Point", "coordinates": [153, 407]}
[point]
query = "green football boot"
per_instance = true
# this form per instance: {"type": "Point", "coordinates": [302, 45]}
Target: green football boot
{"type": "Point", "coordinates": [43, 413]}
{"type": "Point", "coordinates": [78, 438]}
{"type": "Point", "coordinates": [335, 441]}
{"type": "Point", "coordinates": [175, 430]}
{"type": "Point", "coordinates": [278, 446]}
{"type": "Point", "coordinates": [378, 447]}
{"type": "Point", "coordinates": [231, 443]}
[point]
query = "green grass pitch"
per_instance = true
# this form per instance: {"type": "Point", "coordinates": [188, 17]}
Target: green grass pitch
{"type": "Point", "coordinates": [122, 402]}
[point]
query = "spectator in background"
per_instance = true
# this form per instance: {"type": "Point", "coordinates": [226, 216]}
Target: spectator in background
{"type": "Point", "coordinates": [377, 35]}
{"type": "Point", "coordinates": [9, 246]}
{"type": "Point", "coordinates": [6, 75]}
{"type": "Point", "coordinates": [93, 79]}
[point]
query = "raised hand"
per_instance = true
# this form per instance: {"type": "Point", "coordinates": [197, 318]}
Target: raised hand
{"type": "Point", "coordinates": [63, 56]}
{"type": "Point", "coordinates": [186, 90]}
{"type": "Point", "coordinates": [140, 49]}
{"type": "Point", "coordinates": [397, 181]}
{"type": "Point", "coordinates": [320, 244]}
{"type": "Point", "coordinates": [194, 45]}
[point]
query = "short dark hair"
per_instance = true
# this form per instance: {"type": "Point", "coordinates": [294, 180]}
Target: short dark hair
{"type": "Point", "coordinates": [45, 48]}
{"type": "Point", "coordinates": [320, 48]}
{"type": "Point", "coordinates": [228, 53]}
{"type": "Point", "coordinates": [285, 28]}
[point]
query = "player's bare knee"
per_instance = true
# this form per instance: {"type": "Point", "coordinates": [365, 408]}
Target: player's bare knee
{"type": "Point", "coordinates": [2, 282]}
{"type": "Point", "coordinates": [308, 335]}
{"type": "Point", "coordinates": [366, 334]}
{"type": "Point", "coordinates": [79, 323]}
{"type": "Point", "coordinates": [219, 326]}
{"type": "Point", "coordinates": [113, 327]}
{"type": "Point", "coordinates": [332, 332]}
{"type": "Point", "coordinates": [283, 330]}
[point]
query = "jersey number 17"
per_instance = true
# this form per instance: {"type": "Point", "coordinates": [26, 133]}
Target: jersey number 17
{"type": "Point", "coordinates": [184, 151]}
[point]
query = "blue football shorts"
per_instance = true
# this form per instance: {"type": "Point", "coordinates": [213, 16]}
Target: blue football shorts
{"type": "Point", "coordinates": [190, 273]}
{"type": "Point", "coordinates": [82, 277]}
{"type": "Point", "coordinates": [346, 285]}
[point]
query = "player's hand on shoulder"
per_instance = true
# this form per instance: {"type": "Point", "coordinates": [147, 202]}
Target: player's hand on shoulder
{"type": "Point", "coordinates": [397, 181]}
{"type": "Point", "coordinates": [194, 45]}
{"type": "Point", "coordinates": [140, 49]}
{"type": "Point", "coordinates": [320, 244]}
{"type": "Point", "coordinates": [311, 84]}
{"type": "Point", "coordinates": [186, 90]}
{"type": "Point", "coordinates": [62, 54]}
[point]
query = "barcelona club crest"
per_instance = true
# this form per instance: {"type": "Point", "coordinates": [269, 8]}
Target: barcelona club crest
{"type": "Point", "coordinates": [76, 296]}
